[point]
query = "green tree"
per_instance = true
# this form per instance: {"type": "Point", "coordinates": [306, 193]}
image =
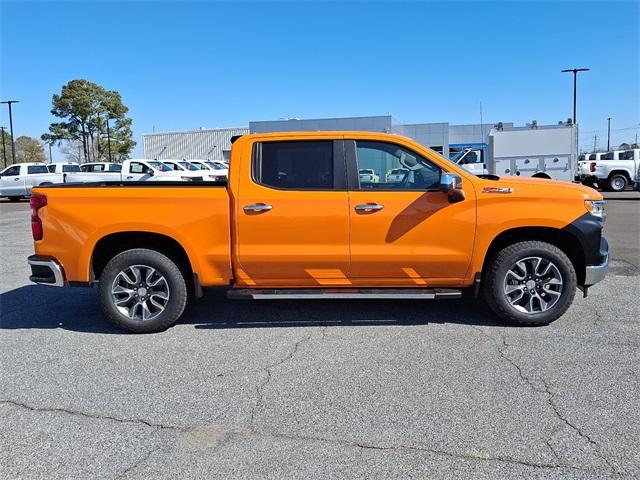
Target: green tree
{"type": "Point", "coordinates": [83, 108]}
{"type": "Point", "coordinates": [29, 149]}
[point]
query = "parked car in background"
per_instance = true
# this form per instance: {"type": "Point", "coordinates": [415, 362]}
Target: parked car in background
{"type": "Point", "coordinates": [221, 171]}
{"type": "Point", "coordinates": [144, 170]}
{"type": "Point", "coordinates": [636, 182]}
{"type": "Point", "coordinates": [297, 222]}
{"type": "Point", "coordinates": [16, 181]}
{"type": "Point", "coordinates": [368, 175]}
{"type": "Point", "coordinates": [397, 175]}
{"type": "Point", "coordinates": [613, 171]}
{"type": "Point", "coordinates": [191, 170]}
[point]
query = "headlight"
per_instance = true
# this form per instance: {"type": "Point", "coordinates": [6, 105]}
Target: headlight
{"type": "Point", "coordinates": [595, 207]}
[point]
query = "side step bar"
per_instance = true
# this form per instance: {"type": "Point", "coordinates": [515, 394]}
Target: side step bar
{"type": "Point", "coordinates": [344, 293]}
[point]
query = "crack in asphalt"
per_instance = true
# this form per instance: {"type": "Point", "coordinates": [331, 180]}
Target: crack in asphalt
{"type": "Point", "coordinates": [137, 463]}
{"type": "Point", "coordinates": [267, 369]}
{"type": "Point", "coordinates": [78, 413]}
{"type": "Point", "coordinates": [252, 432]}
{"type": "Point", "coordinates": [551, 402]}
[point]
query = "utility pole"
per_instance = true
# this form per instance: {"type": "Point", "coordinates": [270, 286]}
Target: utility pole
{"type": "Point", "coordinates": [575, 76]}
{"type": "Point", "coordinates": [13, 145]}
{"type": "Point", "coordinates": [4, 147]}
{"type": "Point", "coordinates": [50, 155]}
{"type": "Point", "coordinates": [595, 141]}
{"type": "Point", "coordinates": [608, 134]}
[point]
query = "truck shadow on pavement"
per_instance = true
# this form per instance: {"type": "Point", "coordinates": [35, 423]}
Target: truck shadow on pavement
{"type": "Point", "coordinates": [40, 307]}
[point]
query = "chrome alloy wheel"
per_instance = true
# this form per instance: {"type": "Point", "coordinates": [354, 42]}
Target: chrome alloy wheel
{"type": "Point", "coordinates": [140, 292]}
{"type": "Point", "coordinates": [533, 285]}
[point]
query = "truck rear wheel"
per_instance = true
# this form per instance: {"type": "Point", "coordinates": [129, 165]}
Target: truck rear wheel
{"type": "Point", "coordinates": [530, 283]}
{"type": "Point", "coordinates": [14, 199]}
{"type": "Point", "coordinates": [617, 182]}
{"type": "Point", "coordinates": [142, 291]}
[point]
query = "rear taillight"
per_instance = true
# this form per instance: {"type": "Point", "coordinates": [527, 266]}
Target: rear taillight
{"type": "Point", "coordinates": [592, 167]}
{"type": "Point", "coordinates": [37, 202]}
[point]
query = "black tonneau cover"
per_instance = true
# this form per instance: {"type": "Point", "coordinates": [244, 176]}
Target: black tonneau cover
{"type": "Point", "coordinates": [135, 184]}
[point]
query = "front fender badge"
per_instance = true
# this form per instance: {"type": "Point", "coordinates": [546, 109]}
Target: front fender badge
{"type": "Point", "coordinates": [497, 190]}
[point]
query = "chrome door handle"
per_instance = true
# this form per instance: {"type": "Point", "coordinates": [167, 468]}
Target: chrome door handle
{"type": "Point", "coordinates": [369, 207]}
{"type": "Point", "coordinates": [257, 208]}
{"type": "Point", "coordinates": [16, 179]}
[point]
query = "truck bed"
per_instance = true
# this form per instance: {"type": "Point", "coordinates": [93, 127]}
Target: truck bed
{"type": "Point", "coordinates": [79, 216]}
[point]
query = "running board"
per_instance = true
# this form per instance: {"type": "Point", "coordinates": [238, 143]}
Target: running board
{"type": "Point", "coordinates": [344, 293]}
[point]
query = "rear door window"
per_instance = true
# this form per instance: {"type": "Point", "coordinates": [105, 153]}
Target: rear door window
{"type": "Point", "coordinates": [36, 169]}
{"type": "Point", "coordinates": [301, 165]}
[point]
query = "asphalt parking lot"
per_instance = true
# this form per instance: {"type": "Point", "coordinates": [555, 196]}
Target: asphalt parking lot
{"type": "Point", "coordinates": [322, 389]}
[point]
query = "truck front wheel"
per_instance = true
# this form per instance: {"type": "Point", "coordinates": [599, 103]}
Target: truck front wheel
{"type": "Point", "coordinates": [530, 283]}
{"type": "Point", "coordinates": [142, 291]}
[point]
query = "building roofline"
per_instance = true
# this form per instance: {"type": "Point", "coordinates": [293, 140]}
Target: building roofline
{"type": "Point", "coordinates": [194, 131]}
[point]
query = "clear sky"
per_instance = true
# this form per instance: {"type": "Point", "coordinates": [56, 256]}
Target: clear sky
{"type": "Point", "coordinates": [185, 65]}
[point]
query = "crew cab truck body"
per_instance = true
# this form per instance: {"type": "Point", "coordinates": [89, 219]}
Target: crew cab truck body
{"type": "Point", "coordinates": [16, 181]}
{"type": "Point", "coordinates": [295, 221]}
{"type": "Point", "coordinates": [612, 171]}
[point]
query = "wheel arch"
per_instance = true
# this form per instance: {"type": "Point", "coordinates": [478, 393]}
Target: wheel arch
{"type": "Point", "coordinates": [113, 244]}
{"type": "Point", "coordinates": [620, 172]}
{"type": "Point", "coordinates": [564, 240]}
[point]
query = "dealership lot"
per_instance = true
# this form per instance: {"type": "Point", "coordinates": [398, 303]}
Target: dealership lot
{"type": "Point", "coordinates": [335, 389]}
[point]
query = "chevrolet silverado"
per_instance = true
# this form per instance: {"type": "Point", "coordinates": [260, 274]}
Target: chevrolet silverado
{"type": "Point", "coordinates": [295, 221]}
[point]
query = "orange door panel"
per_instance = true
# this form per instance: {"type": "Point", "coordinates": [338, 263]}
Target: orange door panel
{"type": "Point", "coordinates": [415, 236]}
{"type": "Point", "coordinates": [292, 225]}
{"type": "Point", "coordinates": [403, 229]}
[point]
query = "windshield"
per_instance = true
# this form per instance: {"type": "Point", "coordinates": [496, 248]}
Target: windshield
{"type": "Point", "coordinates": [71, 168]}
{"type": "Point", "coordinates": [189, 166]}
{"type": "Point", "coordinates": [159, 166]}
{"type": "Point", "coordinates": [213, 165]}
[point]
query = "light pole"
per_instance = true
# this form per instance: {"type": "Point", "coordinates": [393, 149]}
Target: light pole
{"type": "Point", "coordinates": [575, 76]}
{"type": "Point", "coordinates": [4, 147]}
{"type": "Point", "coordinates": [13, 146]}
{"type": "Point", "coordinates": [50, 154]}
{"type": "Point", "coordinates": [608, 134]}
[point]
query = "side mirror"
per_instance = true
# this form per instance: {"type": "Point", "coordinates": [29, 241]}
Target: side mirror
{"type": "Point", "coordinates": [451, 184]}
{"type": "Point", "coordinates": [150, 172]}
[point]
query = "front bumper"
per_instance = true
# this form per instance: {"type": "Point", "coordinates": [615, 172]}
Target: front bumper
{"type": "Point", "coordinates": [596, 273]}
{"type": "Point", "coordinates": [46, 271]}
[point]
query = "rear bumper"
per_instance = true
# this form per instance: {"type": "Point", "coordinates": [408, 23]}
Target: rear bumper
{"type": "Point", "coordinates": [596, 273]}
{"type": "Point", "coordinates": [46, 271]}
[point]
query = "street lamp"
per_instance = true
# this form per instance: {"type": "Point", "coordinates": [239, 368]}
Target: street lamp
{"type": "Point", "coordinates": [608, 134]}
{"type": "Point", "coordinates": [13, 146]}
{"type": "Point", "coordinates": [575, 75]}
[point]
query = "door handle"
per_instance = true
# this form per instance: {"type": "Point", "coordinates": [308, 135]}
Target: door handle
{"type": "Point", "coordinates": [129, 177]}
{"type": "Point", "coordinates": [257, 208]}
{"type": "Point", "coordinates": [369, 207]}
{"type": "Point", "coordinates": [16, 179]}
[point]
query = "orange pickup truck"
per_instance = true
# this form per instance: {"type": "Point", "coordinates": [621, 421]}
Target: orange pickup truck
{"type": "Point", "coordinates": [298, 220]}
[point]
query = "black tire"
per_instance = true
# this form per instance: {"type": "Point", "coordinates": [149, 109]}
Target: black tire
{"type": "Point", "coordinates": [14, 199]}
{"type": "Point", "coordinates": [617, 182]}
{"type": "Point", "coordinates": [175, 281]}
{"type": "Point", "coordinates": [494, 283]}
